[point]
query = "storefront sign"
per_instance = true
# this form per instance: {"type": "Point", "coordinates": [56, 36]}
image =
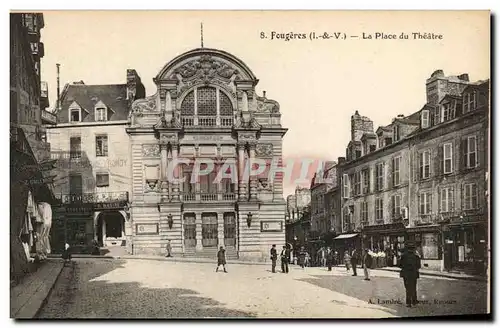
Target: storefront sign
{"type": "Point", "coordinates": [146, 229]}
{"type": "Point", "coordinates": [271, 226]}
{"type": "Point", "coordinates": [109, 206]}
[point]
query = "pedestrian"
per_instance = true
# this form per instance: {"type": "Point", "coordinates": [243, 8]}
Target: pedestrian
{"type": "Point", "coordinates": [169, 249]}
{"type": "Point", "coordinates": [329, 258]}
{"type": "Point", "coordinates": [354, 262]}
{"type": "Point", "coordinates": [302, 257]}
{"type": "Point", "coordinates": [410, 264]}
{"type": "Point", "coordinates": [335, 258]}
{"type": "Point", "coordinates": [347, 260]}
{"type": "Point", "coordinates": [221, 259]}
{"type": "Point", "coordinates": [285, 258]}
{"type": "Point", "coordinates": [66, 255]}
{"type": "Point", "coordinates": [367, 263]}
{"type": "Point", "coordinates": [274, 257]}
{"type": "Point", "coordinates": [307, 260]}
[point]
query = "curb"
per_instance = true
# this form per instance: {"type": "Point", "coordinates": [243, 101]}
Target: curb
{"type": "Point", "coordinates": [443, 275]}
{"type": "Point", "coordinates": [44, 302]}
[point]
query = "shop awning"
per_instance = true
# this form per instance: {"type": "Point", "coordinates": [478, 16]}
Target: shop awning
{"type": "Point", "coordinates": [346, 236]}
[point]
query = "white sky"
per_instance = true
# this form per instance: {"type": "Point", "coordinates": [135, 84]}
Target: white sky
{"type": "Point", "coordinates": [318, 84]}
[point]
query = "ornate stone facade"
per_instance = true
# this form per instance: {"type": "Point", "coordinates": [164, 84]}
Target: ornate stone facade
{"type": "Point", "coordinates": [206, 108]}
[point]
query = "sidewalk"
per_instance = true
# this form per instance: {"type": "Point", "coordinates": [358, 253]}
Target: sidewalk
{"type": "Point", "coordinates": [27, 297]}
{"type": "Point", "coordinates": [453, 275]}
{"type": "Point", "coordinates": [161, 258]}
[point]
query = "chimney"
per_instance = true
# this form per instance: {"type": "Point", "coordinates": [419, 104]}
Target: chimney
{"type": "Point", "coordinates": [58, 105]}
{"type": "Point", "coordinates": [264, 93]}
{"type": "Point", "coordinates": [464, 77]}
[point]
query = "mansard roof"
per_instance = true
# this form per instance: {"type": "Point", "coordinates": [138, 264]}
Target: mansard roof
{"type": "Point", "coordinates": [114, 96]}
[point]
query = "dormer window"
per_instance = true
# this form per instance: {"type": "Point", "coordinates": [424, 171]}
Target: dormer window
{"type": "Point", "coordinates": [448, 111]}
{"type": "Point", "coordinates": [101, 114]}
{"type": "Point", "coordinates": [373, 148]}
{"type": "Point", "coordinates": [469, 102]}
{"type": "Point", "coordinates": [75, 115]}
{"type": "Point", "coordinates": [395, 132]}
{"type": "Point", "coordinates": [424, 119]}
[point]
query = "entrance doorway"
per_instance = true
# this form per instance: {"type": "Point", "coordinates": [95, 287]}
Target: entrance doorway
{"type": "Point", "coordinates": [111, 229]}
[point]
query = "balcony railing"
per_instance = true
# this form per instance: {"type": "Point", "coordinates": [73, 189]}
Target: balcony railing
{"type": "Point", "coordinates": [207, 121]}
{"type": "Point", "coordinates": [94, 198]}
{"type": "Point", "coordinates": [208, 197]}
{"type": "Point", "coordinates": [202, 121]}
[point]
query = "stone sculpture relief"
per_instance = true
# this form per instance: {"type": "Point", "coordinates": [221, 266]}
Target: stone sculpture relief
{"type": "Point", "coordinates": [147, 104]}
{"type": "Point", "coordinates": [152, 150]}
{"type": "Point", "coordinates": [264, 150]}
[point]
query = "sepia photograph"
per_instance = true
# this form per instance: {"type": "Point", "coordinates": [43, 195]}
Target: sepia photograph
{"type": "Point", "coordinates": [262, 164]}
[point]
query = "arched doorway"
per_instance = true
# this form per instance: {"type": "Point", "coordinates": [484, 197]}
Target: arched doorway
{"type": "Point", "coordinates": [110, 229]}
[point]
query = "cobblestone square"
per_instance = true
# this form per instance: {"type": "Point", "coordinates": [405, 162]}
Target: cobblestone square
{"type": "Point", "coordinates": [107, 288]}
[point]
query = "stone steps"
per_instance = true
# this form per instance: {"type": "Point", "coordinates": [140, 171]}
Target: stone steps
{"type": "Point", "coordinates": [231, 253]}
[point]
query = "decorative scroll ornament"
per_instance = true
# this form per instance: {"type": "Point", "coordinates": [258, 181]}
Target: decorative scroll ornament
{"type": "Point", "coordinates": [264, 150]}
{"type": "Point", "coordinates": [266, 105]}
{"type": "Point", "coordinates": [147, 104]}
{"type": "Point", "coordinates": [152, 150]}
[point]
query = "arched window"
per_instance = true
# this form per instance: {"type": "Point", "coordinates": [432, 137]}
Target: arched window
{"type": "Point", "coordinates": [206, 106]}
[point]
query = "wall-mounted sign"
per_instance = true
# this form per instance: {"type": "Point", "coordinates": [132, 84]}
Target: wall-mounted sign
{"type": "Point", "coordinates": [110, 205]}
{"type": "Point", "coordinates": [271, 226]}
{"type": "Point", "coordinates": [146, 229]}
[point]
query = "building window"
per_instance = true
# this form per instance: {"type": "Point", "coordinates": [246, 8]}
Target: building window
{"type": "Point", "coordinates": [75, 146]}
{"type": "Point", "coordinates": [379, 209]}
{"type": "Point", "coordinates": [345, 186]}
{"type": "Point", "coordinates": [447, 112]}
{"type": "Point", "coordinates": [372, 148]}
{"type": "Point", "coordinates": [364, 212]}
{"type": "Point", "coordinates": [425, 203]}
{"type": "Point", "coordinates": [366, 181]}
{"type": "Point", "coordinates": [425, 164]}
{"type": "Point", "coordinates": [379, 176]}
{"type": "Point", "coordinates": [207, 104]}
{"type": "Point", "coordinates": [100, 114]}
{"type": "Point", "coordinates": [469, 146]}
{"type": "Point", "coordinates": [358, 153]}
{"type": "Point", "coordinates": [447, 197]}
{"type": "Point", "coordinates": [424, 119]}
{"type": "Point", "coordinates": [469, 102]}
{"type": "Point", "coordinates": [102, 180]}
{"type": "Point", "coordinates": [357, 183]}
{"type": "Point", "coordinates": [101, 146]}
{"type": "Point", "coordinates": [395, 131]}
{"type": "Point", "coordinates": [189, 230]}
{"type": "Point", "coordinates": [470, 196]}
{"type": "Point", "coordinates": [396, 206]}
{"type": "Point", "coordinates": [388, 141]}
{"type": "Point", "coordinates": [396, 165]}
{"type": "Point", "coordinates": [75, 115]}
{"type": "Point", "coordinates": [447, 158]}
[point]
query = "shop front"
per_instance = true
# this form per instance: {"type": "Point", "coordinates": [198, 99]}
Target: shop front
{"type": "Point", "coordinates": [428, 243]}
{"type": "Point", "coordinates": [388, 239]}
{"type": "Point", "coordinates": [347, 242]}
{"type": "Point", "coordinates": [466, 248]}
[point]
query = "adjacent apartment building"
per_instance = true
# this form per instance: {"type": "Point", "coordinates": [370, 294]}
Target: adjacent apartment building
{"type": "Point", "coordinates": [93, 166]}
{"type": "Point", "coordinates": [423, 178]}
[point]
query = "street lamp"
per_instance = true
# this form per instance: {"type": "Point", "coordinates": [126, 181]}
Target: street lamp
{"type": "Point", "coordinates": [249, 219]}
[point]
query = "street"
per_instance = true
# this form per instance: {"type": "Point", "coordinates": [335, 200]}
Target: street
{"type": "Point", "coordinates": [111, 288]}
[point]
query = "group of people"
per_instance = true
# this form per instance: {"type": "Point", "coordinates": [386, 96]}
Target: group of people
{"type": "Point", "coordinates": [364, 259]}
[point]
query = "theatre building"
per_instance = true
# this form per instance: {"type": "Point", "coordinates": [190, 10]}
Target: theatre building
{"type": "Point", "coordinates": [206, 108]}
{"type": "Point", "coordinates": [92, 152]}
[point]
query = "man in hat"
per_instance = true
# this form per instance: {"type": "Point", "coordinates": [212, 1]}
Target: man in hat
{"type": "Point", "coordinates": [221, 259]}
{"type": "Point", "coordinates": [285, 258]}
{"type": "Point", "coordinates": [367, 263]}
{"type": "Point", "coordinates": [274, 257]}
{"type": "Point", "coordinates": [410, 264]}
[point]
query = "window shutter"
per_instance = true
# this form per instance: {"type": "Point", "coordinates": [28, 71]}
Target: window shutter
{"type": "Point", "coordinates": [463, 151]}
{"type": "Point", "coordinates": [439, 162]}
{"type": "Point", "coordinates": [393, 206]}
{"type": "Point", "coordinates": [430, 202]}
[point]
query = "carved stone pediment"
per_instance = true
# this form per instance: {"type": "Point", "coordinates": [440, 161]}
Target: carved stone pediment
{"type": "Point", "coordinates": [147, 104]}
{"type": "Point", "coordinates": [165, 138]}
{"type": "Point", "coordinates": [205, 66]}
